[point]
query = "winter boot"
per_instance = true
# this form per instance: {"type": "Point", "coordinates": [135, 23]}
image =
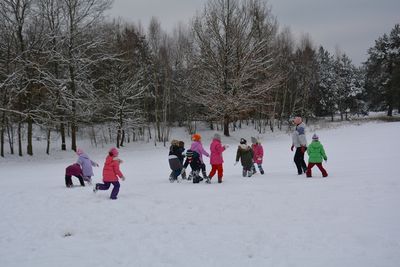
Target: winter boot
{"type": "Point", "coordinates": [95, 188]}
{"type": "Point", "coordinates": [261, 169]}
{"type": "Point", "coordinates": [249, 174]}
{"type": "Point", "coordinates": [244, 173]}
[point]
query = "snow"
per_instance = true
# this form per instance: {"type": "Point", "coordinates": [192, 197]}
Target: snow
{"type": "Point", "coordinates": [350, 218]}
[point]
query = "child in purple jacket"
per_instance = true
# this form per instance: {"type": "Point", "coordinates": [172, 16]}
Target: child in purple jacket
{"type": "Point", "coordinates": [198, 147]}
{"type": "Point", "coordinates": [86, 164]}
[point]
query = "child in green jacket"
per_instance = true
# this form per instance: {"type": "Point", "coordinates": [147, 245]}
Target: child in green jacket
{"type": "Point", "coordinates": [316, 154]}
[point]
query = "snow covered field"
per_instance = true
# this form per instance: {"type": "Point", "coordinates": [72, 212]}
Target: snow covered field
{"type": "Point", "coordinates": [351, 218]}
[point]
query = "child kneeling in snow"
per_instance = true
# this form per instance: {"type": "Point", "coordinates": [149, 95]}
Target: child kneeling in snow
{"type": "Point", "coordinates": [111, 173]}
{"type": "Point", "coordinates": [316, 153]}
{"type": "Point", "coordinates": [73, 170]}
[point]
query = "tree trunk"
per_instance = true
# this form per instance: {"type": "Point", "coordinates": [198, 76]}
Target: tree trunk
{"type": "Point", "coordinates": [48, 141]}
{"type": "Point", "coordinates": [20, 139]}
{"type": "Point", "coordinates": [10, 134]}
{"type": "Point", "coordinates": [62, 131]}
{"type": "Point", "coordinates": [3, 126]}
{"type": "Point", "coordinates": [226, 125]}
{"type": "Point", "coordinates": [29, 147]}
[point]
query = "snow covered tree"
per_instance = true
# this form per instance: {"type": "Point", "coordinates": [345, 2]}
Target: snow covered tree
{"type": "Point", "coordinates": [326, 83]}
{"type": "Point", "coordinates": [234, 59]}
{"type": "Point", "coordinates": [383, 72]}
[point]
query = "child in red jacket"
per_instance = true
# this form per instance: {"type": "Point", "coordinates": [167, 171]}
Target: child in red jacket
{"type": "Point", "coordinates": [111, 173]}
{"type": "Point", "coordinates": [258, 154]}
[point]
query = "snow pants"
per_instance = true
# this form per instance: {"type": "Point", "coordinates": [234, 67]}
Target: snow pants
{"type": "Point", "coordinates": [319, 165]}
{"type": "Point", "coordinates": [216, 168]}
{"type": "Point", "coordinates": [106, 186]}
{"type": "Point", "coordinates": [68, 180]}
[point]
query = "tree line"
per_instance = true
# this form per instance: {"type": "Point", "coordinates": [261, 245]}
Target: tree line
{"type": "Point", "coordinates": [66, 69]}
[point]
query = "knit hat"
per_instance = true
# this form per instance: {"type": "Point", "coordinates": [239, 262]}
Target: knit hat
{"type": "Point", "coordinates": [315, 137]}
{"type": "Point", "coordinates": [243, 141]}
{"type": "Point", "coordinates": [254, 140]}
{"type": "Point", "coordinates": [175, 142]}
{"type": "Point", "coordinates": [113, 152]}
{"type": "Point", "coordinates": [79, 151]}
{"type": "Point", "coordinates": [297, 120]}
{"type": "Point", "coordinates": [196, 137]}
{"type": "Point", "coordinates": [217, 136]}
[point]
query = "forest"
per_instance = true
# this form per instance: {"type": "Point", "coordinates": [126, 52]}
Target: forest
{"type": "Point", "coordinates": [67, 71]}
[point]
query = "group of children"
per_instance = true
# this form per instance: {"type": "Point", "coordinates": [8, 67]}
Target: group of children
{"type": "Point", "coordinates": [83, 170]}
{"type": "Point", "coordinates": [251, 158]}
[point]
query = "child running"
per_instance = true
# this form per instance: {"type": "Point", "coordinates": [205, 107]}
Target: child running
{"type": "Point", "coordinates": [111, 173]}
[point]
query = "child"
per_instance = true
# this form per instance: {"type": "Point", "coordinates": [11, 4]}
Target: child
{"type": "Point", "coordinates": [175, 159]}
{"type": "Point", "coordinates": [86, 165]}
{"type": "Point", "coordinates": [245, 154]}
{"type": "Point", "coordinates": [73, 170]}
{"type": "Point", "coordinates": [216, 159]}
{"type": "Point", "coordinates": [258, 155]}
{"type": "Point", "coordinates": [182, 147]}
{"type": "Point", "coordinates": [316, 153]}
{"type": "Point", "coordinates": [198, 147]}
{"type": "Point", "coordinates": [193, 158]}
{"type": "Point", "coordinates": [299, 142]}
{"type": "Point", "coordinates": [111, 173]}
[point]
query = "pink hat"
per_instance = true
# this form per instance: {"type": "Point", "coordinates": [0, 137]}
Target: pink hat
{"type": "Point", "coordinates": [79, 151]}
{"type": "Point", "coordinates": [113, 152]}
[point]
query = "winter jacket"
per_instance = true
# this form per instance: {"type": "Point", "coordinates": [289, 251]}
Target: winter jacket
{"type": "Point", "coordinates": [74, 170]}
{"type": "Point", "coordinates": [198, 147]}
{"type": "Point", "coordinates": [177, 151]}
{"type": "Point", "coordinates": [216, 152]}
{"type": "Point", "coordinates": [193, 158]}
{"type": "Point", "coordinates": [258, 153]}
{"type": "Point", "coordinates": [86, 165]}
{"type": "Point", "coordinates": [245, 154]}
{"type": "Point", "coordinates": [111, 171]}
{"type": "Point", "coordinates": [316, 152]}
{"type": "Point", "coordinates": [299, 135]}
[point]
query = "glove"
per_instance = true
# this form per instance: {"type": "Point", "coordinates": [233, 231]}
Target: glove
{"type": "Point", "coordinates": [183, 170]}
{"type": "Point", "coordinates": [303, 149]}
{"type": "Point", "coordinates": [235, 163]}
{"type": "Point", "coordinates": [291, 148]}
{"type": "Point", "coordinates": [122, 178]}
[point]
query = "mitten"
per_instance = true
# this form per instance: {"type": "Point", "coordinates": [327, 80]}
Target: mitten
{"type": "Point", "coordinates": [122, 178]}
{"type": "Point", "coordinates": [291, 148]}
{"type": "Point", "coordinates": [236, 163]}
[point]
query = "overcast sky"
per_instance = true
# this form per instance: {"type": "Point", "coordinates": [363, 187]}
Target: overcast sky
{"type": "Point", "coordinates": [350, 25]}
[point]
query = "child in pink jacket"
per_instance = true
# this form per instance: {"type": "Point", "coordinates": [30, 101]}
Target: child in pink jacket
{"type": "Point", "coordinates": [198, 147]}
{"type": "Point", "coordinates": [111, 174]}
{"type": "Point", "coordinates": [258, 154]}
{"type": "Point", "coordinates": [216, 158]}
